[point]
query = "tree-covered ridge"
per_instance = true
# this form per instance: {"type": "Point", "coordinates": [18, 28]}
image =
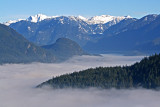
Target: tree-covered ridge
{"type": "Point", "coordinates": [14, 48]}
{"type": "Point", "coordinates": [65, 48]}
{"type": "Point", "coordinates": [144, 74]}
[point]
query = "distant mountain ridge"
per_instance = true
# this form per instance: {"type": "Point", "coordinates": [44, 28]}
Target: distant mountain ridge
{"type": "Point", "coordinates": [44, 30]}
{"type": "Point", "coordinates": [93, 20]}
{"type": "Point", "coordinates": [99, 34]}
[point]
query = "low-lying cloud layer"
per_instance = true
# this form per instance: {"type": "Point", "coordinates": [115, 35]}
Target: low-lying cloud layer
{"type": "Point", "coordinates": [17, 82]}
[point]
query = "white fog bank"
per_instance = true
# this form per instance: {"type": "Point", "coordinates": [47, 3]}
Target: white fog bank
{"type": "Point", "coordinates": [17, 82]}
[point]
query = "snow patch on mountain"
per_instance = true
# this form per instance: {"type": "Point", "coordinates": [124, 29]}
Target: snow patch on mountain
{"type": "Point", "coordinates": [105, 19]}
{"type": "Point", "coordinates": [76, 18]}
{"type": "Point", "coordinates": [39, 17]}
{"type": "Point", "coordinates": [82, 18]}
{"type": "Point", "coordinates": [29, 28]}
{"type": "Point", "coordinates": [12, 21]}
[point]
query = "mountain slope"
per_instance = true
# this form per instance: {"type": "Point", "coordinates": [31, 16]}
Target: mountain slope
{"type": "Point", "coordinates": [16, 49]}
{"type": "Point", "coordinates": [144, 74]}
{"type": "Point", "coordinates": [119, 27]}
{"type": "Point", "coordinates": [141, 35]}
{"type": "Point", "coordinates": [65, 48]}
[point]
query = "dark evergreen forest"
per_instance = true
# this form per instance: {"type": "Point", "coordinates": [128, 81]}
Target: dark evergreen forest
{"type": "Point", "coordinates": [145, 73]}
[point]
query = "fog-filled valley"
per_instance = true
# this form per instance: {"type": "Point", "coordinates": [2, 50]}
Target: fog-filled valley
{"type": "Point", "coordinates": [80, 53]}
{"type": "Point", "coordinates": [18, 82]}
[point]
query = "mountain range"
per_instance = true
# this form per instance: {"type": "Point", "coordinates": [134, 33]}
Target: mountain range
{"type": "Point", "coordinates": [98, 34]}
{"type": "Point", "coordinates": [45, 30]}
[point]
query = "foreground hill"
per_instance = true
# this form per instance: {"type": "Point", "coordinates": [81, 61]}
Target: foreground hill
{"type": "Point", "coordinates": [144, 74]}
{"type": "Point", "coordinates": [65, 48]}
{"type": "Point", "coordinates": [14, 48]}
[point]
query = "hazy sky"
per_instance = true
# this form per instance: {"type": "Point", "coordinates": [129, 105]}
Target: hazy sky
{"type": "Point", "coordinates": [14, 9]}
{"type": "Point", "coordinates": [18, 81]}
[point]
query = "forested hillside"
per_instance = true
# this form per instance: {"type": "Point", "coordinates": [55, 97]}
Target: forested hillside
{"type": "Point", "coordinates": [144, 74]}
{"type": "Point", "coordinates": [14, 48]}
{"type": "Point", "coordinates": [65, 48]}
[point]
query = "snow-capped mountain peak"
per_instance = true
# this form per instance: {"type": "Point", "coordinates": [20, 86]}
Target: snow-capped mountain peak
{"type": "Point", "coordinates": [82, 18]}
{"type": "Point", "coordinates": [37, 18]}
{"type": "Point", "coordinates": [100, 19]}
{"type": "Point", "coordinates": [12, 21]}
{"type": "Point", "coordinates": [78, 18]}
{"type": "Point", "coordinates": [105, 18]}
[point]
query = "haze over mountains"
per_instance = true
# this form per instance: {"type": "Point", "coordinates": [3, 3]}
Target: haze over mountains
{"type": "Point", "coordinates": [98, 34]}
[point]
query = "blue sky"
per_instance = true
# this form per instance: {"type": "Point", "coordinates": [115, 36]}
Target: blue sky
{"type": "Point", "coordinates": [15, 9]}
